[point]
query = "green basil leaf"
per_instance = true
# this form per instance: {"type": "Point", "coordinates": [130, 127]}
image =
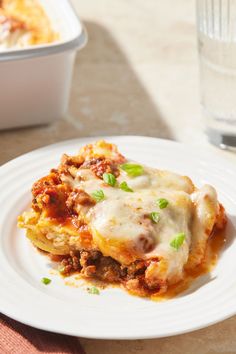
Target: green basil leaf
{"type": "Point", "coordinates": [162, 203]}
{"type": "Point", "coordinates": [124, 186]}
{"type": "Point", "coordinates": [98, 195]}
{"type": "Point", "coordinates": [46, 281]}
{"type": "Point", "coordinates": [177, 242]}
{"type": "Point", "coordinates": [109, 178]}
{"type": "Point", "coordinates": [132, 169]}
{"type": "Point", "coordinates": [155, 217]}
{"type": "Point", "coordinates": [93, 290]}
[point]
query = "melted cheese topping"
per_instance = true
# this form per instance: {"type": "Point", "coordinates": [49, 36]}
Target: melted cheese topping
{"type": "Point", "coordinates": [122, 228]}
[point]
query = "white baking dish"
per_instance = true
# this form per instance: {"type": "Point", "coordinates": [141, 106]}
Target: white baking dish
{"type": "Point", "coordinates": [35, 82]}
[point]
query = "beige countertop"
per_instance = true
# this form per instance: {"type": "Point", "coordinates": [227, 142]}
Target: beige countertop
{"type": "Point", "coordinates": [137, 75]}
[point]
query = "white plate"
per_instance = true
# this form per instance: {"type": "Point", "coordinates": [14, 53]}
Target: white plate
{"type": "Point", "coordinates": [114, 313]}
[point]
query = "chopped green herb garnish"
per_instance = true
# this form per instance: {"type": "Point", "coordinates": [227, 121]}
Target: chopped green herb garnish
{"type": "Point", "coordinates": [162, 203]}
{"type": "Point", "coordinates": [132, 169]}
{"type": "Point", "coordinates": [98, 195]}
{"type": "Point", "coordinates": [109, 178]}
{"type": "Point", "coordinates": [46, 281]}
{"type": "Point", "coordinates": [155, 217]}
{"type": "Point", "coordinates": [178, 240]}
{"type": "Point", "coordinates": [93, 290]}
{"type": "Point", "coordinates": [124, 186]}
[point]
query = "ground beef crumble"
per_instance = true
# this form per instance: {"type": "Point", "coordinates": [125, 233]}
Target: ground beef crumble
{"type": "Point", "coordinates": [92, 264]}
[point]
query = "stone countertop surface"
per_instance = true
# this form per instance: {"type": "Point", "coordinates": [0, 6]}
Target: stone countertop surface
{"type": "Point", "coordinates": [138, 75]}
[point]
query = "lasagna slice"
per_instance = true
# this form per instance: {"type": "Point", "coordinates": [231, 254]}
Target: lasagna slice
{"type": "Point", "coordinates": [122, 222]}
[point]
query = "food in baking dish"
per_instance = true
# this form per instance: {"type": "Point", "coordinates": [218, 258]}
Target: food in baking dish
{"type": "Point", "coordinates": [24, 23]}
{"type": "Point", "coordinates": [122, 222]}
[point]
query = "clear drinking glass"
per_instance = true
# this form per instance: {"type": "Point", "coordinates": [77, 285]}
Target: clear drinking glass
{"type": "Point", "coordinates": [216, 24]}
